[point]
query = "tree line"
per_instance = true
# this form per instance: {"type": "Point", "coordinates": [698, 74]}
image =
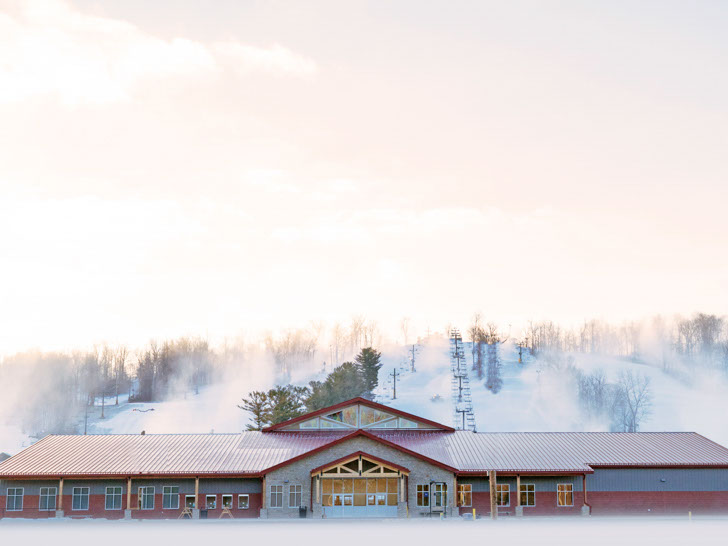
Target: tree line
{"type": "Point", "coordinates": [701, 339]}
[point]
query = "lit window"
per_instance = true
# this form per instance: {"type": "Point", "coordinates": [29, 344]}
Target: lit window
{"type": "Point", "coordinates": [113, 498]}
{"type": "Point", "coordinates": [503, 494]}
{"type": "Point", "coordinates": [565, 494]}
{"type": "Point", "coordinates": [79, 499]}
{"type": "Point", "coordinates": [423, 495]}
{"type": "Point", "coordinates": [243, 502]}
{"type": "Point", "coordinates": [294, 496]}
{"type": "Point", "coordinates": [227, 501]}
{"type": "Point", "coordinates": [211, 502]}
{"type": "Point", "coordinates": [465, 494]}
{"type": "Point", "coordinates": [170, 497]}
{"type": "Point", "coordinates": [276, 496]}
{"type": "Point", "coordinates": [14, 499]}
{"type": "Point", "coordinates": [528, 494]}
{"type": "Point", "coordinates": [47, 498]}
{"type": "Point", "coordinates": [146, 498]}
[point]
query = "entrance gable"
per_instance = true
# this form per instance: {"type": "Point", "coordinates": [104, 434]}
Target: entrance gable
{"type": "Point", "coordinates": [361, 464]}
{"type": "Point", "coordinates": [357, 414]}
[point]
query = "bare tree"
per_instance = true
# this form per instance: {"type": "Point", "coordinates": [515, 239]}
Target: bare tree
{"type": "Point", "coordinates": [632, 402]}
{"type": "Point", "coordinates": [404, 327]}
{"type": "Point", "coordinates": [120, 356]}
{"type": "Point", "coordinates": [356, 332]}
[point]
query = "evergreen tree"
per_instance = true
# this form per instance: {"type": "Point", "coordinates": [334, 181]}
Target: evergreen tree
{"type": "Point", "coordinates": [345, 382]}
{"type": "Point", "coordinates": [258, 405]}
{"type": "Point", "coordinates": [319, 396]}
{"type": "Point", "coordinates": [285, 402]}
{"type": "Point", "coordinates": [369, 362]}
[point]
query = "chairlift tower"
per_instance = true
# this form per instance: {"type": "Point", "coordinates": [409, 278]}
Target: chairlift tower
{"type": "Point", "coordinates": [463, 413]}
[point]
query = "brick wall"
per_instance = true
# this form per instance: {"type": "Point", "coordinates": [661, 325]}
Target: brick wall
{"type": "Point", "coordinates": [97, 498]}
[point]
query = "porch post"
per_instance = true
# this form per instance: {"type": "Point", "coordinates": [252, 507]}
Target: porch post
{"type": "Point", "coordinates": [519, 508]}
{"type": "Point", "coordinates": [196, 509]}
{"type": "Point", "coordinates": [127, 512]}
{"type": "Point", "coordinates": [59, 510]}
{"type": "Point", "coordinates": [493, 503]}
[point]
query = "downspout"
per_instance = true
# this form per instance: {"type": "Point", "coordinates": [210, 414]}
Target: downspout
{"type": "Point", "coordinates": [583, 490]}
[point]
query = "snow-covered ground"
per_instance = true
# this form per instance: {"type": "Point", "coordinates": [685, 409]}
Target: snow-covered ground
{"type": "Point", "coordinates": [594, 531]}
{"type": "Point", "coordinates": [536, 398]}
{"type": "Point", "coordinates": [533, 398]}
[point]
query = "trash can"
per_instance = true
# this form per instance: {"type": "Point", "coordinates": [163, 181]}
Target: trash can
{"type": "Point", "coordinates": [203, 514]}
{"type": "Point", "coordinates": [302, 511]}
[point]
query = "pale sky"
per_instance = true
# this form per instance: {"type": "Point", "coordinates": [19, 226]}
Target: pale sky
{"type": "Point", "coordinates": [194, 167]}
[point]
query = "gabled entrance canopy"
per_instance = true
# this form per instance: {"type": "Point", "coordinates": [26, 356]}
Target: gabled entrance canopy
{"type": "Point", "coordinates": [358, 413]}
{"type": "Point", "coordinates": [360, 464]}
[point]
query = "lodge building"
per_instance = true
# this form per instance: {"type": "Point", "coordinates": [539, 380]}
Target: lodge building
{"type": "Point", "coordinates": [360, 459]}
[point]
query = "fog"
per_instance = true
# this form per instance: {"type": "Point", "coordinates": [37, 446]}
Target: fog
{"type": "Point", "coordinates": [594, 531]}
{"type": "Point", "coordinates": [572, 378]}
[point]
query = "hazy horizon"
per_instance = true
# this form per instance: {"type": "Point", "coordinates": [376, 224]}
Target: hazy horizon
{"type": "Point", "coordinates": [260, 165]}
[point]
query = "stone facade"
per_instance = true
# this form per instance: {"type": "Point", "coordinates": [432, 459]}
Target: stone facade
{"type": "Point", "coordinates": [299, 472]}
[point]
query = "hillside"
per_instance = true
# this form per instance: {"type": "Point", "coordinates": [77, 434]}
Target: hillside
{"type": "Point", "coordinates": [534, 397]}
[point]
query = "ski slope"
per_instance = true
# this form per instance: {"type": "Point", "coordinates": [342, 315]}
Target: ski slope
{"type": "Point", "coordinates": [534, 397]}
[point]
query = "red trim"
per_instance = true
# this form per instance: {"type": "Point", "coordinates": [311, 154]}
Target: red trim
{"type": "Point", "coordinates": [364, 402]}
{"type": "Point", "coordinates": [355, 434]}
{"type": "Point", "coordinates": [132, 476]}
{"type": "Point", "coordinates": [718, 466]}
{"type": "Point", "coordinates": [354, 456]}
{"type": "Point", "coordinates": [510, 473]}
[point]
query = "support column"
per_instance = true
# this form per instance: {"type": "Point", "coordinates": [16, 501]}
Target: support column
{"type": "Point", "coordinates": [127, 512]}
{"type": "Point", "coordinates": [493, 504]}
{"type": "Point", "coordinates": [196, 508]}
{"type": "Point", "coordinates": [59, 510]}
{"type": "Point", "coordinates": [457, 494]}
{"type": "Point", "coordinates": [519, 508]}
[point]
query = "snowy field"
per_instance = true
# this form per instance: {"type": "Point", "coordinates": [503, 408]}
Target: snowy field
{"type": "Point", "coordinates": [625, 532]}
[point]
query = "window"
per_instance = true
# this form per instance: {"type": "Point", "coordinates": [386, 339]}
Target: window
{"type": "Point", "coordinates": [503, 494]}
{"type": "Point", "coordinates": [227, 501]}
{"type": "Point", "coordinates": [423, 495]}
{"type": "Point", "coordinates": [276, 496]}
{"type": "Point", "coordinates": [528, 494]}
{"type": "Point", "coordinates": [211, 502]}
{"type": "Point", "coordinates": [170, 497]}
{"type": "Point", "coordinates": [565, 494]}
{"type": "Point", "coordinates": [14, 500]}
{"type": "Point", "coordinates": [146, 498]}
{"type": "Point", "coordinates": [79, 500]}
{"type": "Point", "coordinates": [113, 498]}
{"type": "Point", "coordinates": [294, 496]}
{"type": "Point", "coordinates": [465, 494]}
{"type": "Point", "coordinates": [189, 501]}
{"type": "Point", "coordinates": [47, 498]}
{"type": "Point", "coordinates": [439, 495]}
{"type": "Point", "coordinates": [243, 502]}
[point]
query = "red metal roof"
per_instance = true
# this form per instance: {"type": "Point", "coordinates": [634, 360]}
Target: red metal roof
{"type": "Point", "coordinates": [254, 453]}
{"type": "Point", "coordinates": [246, 453]}
{"type": "Point", "coordinates": [561, 451]}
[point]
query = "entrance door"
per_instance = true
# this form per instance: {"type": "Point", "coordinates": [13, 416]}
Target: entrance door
{"type": "Point", "coordinates": [360, 497]}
